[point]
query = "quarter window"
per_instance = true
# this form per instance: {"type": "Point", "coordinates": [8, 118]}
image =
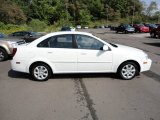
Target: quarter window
{"type": "Point", "coordinates": [87, 42]}
{"type": "Point", "coordinates": [61, 41]}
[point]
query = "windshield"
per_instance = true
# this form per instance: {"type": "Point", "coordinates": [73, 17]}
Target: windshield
{"type": "Point", "coordinates": [127, 26]}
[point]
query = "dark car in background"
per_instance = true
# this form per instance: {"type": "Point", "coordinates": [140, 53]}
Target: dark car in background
{"type": "Point", "coordinates": [2, 35]}
{"type": "Point", "coordinates": [28, 36]}
{"type": "Point", "coordinates": [155, 32]}
{"type": "Point", "coordinates": [125, 28]}
{"type": "Point", "coordinates": [141, 28]}
{"type": "Point", "coordinates": [113, 27]}
{"type": "Point", "coordinates": [67, 28]}
{"type": "Point", "coordinates": [151, 26]}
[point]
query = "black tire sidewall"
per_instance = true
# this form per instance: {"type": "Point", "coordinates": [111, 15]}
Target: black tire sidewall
{"type": "Point", "coordinates": [5, 54]}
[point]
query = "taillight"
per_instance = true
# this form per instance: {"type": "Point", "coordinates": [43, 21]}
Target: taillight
{"type": "Point", "coordinates": [14, 51]}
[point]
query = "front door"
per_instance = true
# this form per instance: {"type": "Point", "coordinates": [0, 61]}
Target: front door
{"type": "Point", "coordinates": [90, 56]}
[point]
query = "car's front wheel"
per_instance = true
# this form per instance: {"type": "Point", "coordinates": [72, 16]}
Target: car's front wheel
{"type": "Point", "coordinates": [41, 72]}
{"type": "Point", "coordinates": [3, 54]}
{"type": "Point", "coordinates": [128, 70]}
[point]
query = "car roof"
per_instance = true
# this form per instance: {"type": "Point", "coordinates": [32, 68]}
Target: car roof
{"type": "Point", "coordinates": [58, 33]}
{"type": "Point", "coordinates": [69, 32]}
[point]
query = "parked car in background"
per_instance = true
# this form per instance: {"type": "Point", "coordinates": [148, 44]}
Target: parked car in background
{"type": "Point", "coordinates": [113, 27]}
{"type": "Point", "coordinates": [78, 52]}
{"type": "Point", "coordinates": [151, 26]}
{"type": "Point", "coordinates": [7, 46]}
{"type": "Point", "coordinates": [28, 36]}
{"type": "Point", "coordinates": [155, 32]}
{"type": "Point", "coordinates": [125, 28]}
{"type": "Point", "coordinates": [157, 24]}
{"type": "Point", "coordinates": [141, 28]}
{"type": "Point", "coordinates": [78, 27]}
{"type": "Point", "coordinates": [2, 35]}
{"type": "Point", "coordinates": [86, 27]}
{"type": "Point", "coordinates": [67, 28]}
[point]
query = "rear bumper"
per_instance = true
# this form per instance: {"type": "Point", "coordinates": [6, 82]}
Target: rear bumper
{"type": "Point", "coordinates": [18, 67]}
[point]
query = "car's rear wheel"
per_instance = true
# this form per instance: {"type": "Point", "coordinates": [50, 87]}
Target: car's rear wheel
{"type": "Point", "coordinates": [3, 54]}
{"type": "Point", "coordinates": [41, 72]}
{"type": "Point", "coordinates": [128, 70]}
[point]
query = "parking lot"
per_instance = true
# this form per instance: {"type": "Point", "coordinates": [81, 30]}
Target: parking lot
{"type": "Point", "coordinates": [85, 96]}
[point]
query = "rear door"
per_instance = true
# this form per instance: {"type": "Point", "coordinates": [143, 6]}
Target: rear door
{"type": "Point", "coordinates": [60, 52]}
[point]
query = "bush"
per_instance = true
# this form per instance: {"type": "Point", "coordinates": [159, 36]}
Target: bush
{"type": "Point", "coordinates": [37, 25]}
{"type": "Point", "coordinates": [2, 25]}
{"type": "Point", "coordinates": [10, 28]}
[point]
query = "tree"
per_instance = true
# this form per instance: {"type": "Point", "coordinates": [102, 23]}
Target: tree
{"type": "Point", "coordinates": [151, 8]}
{"type": "Point", "coordinates": [11, 13]}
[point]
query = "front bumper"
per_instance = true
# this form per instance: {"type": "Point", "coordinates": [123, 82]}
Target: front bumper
{"type": "Point", "coordinates": [146, 65]}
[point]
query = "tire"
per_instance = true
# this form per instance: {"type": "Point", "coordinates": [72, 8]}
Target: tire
{"type": "Point", "coordinates": [153, 35]}
{"type": "Point", "coordinates": [41, 72]}
{"type": "Point", "coordinates": [128, 70]}
{"type": "Point", "coordinates": [3, 55]}
{"type": "Point", "coordinates": [125, 31]}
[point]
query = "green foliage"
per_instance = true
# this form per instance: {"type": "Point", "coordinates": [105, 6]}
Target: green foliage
{"type": "Point", "coordinates": [39, 14]}
{"type": "Point", "coordinates": [37, 25]}
{"type": "Point", "coordinates": [11, 13]}
{"type": "Point", "coordinates": [84, 17]}
{"type": "Point", "coordinates": [10, 28]}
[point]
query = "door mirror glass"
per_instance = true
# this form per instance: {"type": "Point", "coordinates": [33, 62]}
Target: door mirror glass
{"type": "Point", "coordinates": [105, 48]}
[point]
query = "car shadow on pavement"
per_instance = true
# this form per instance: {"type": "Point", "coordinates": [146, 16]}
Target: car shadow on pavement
{"type": "Point", "coordinates": [20, 75]}
{"type": "Point", "coordinates": [157, 44]}
{"type": "Point", "coordinates": [85, 75]}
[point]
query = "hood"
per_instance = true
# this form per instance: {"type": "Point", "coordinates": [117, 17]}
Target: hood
{"type": "Point", "coordinates": [12, 40]}
{"type": "Point", "coordinates": [127, 49]}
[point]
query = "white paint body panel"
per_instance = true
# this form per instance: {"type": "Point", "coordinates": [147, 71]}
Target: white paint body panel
{"type": "Point", "coordinates": [77, 60]}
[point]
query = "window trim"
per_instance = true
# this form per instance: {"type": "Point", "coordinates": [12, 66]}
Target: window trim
{"type": "Point", "coordinates": [73, 42]}
{"type": "Point", "coordinates": [76, 44]}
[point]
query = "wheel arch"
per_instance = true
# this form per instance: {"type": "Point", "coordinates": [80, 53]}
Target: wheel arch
{"type": "Point", "coordinates": [133, 61]}
{"type": "Point", "coordinates": [6, 55]}
{"type": "Point", "coordinates": [36, 62]}
{"type": "Point", "coordinates": [1, 47]}
{"type": "Point", "coordinates": [5, 48]}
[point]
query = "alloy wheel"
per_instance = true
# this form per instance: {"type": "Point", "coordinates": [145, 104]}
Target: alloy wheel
{"type": "Point", "coordinates": [40, 72]}
{"type": "Point", "coordinates": [128, 71]}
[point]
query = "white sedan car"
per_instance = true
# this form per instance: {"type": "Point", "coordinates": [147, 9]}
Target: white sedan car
{"type": "Point", "coordinates": [78, 52]}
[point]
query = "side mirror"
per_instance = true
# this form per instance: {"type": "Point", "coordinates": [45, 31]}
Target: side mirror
{"type": "Point", "coordinates": [105, 48]}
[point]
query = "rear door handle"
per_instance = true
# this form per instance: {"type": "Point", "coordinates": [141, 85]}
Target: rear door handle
{"type": "Point", "coordinates": [50, 52]}
{"type": "Point", "coordinates": [83, 53]}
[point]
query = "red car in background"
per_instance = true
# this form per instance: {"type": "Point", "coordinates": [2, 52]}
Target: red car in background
{"type": "Point", "coordinates": [141, 28]}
